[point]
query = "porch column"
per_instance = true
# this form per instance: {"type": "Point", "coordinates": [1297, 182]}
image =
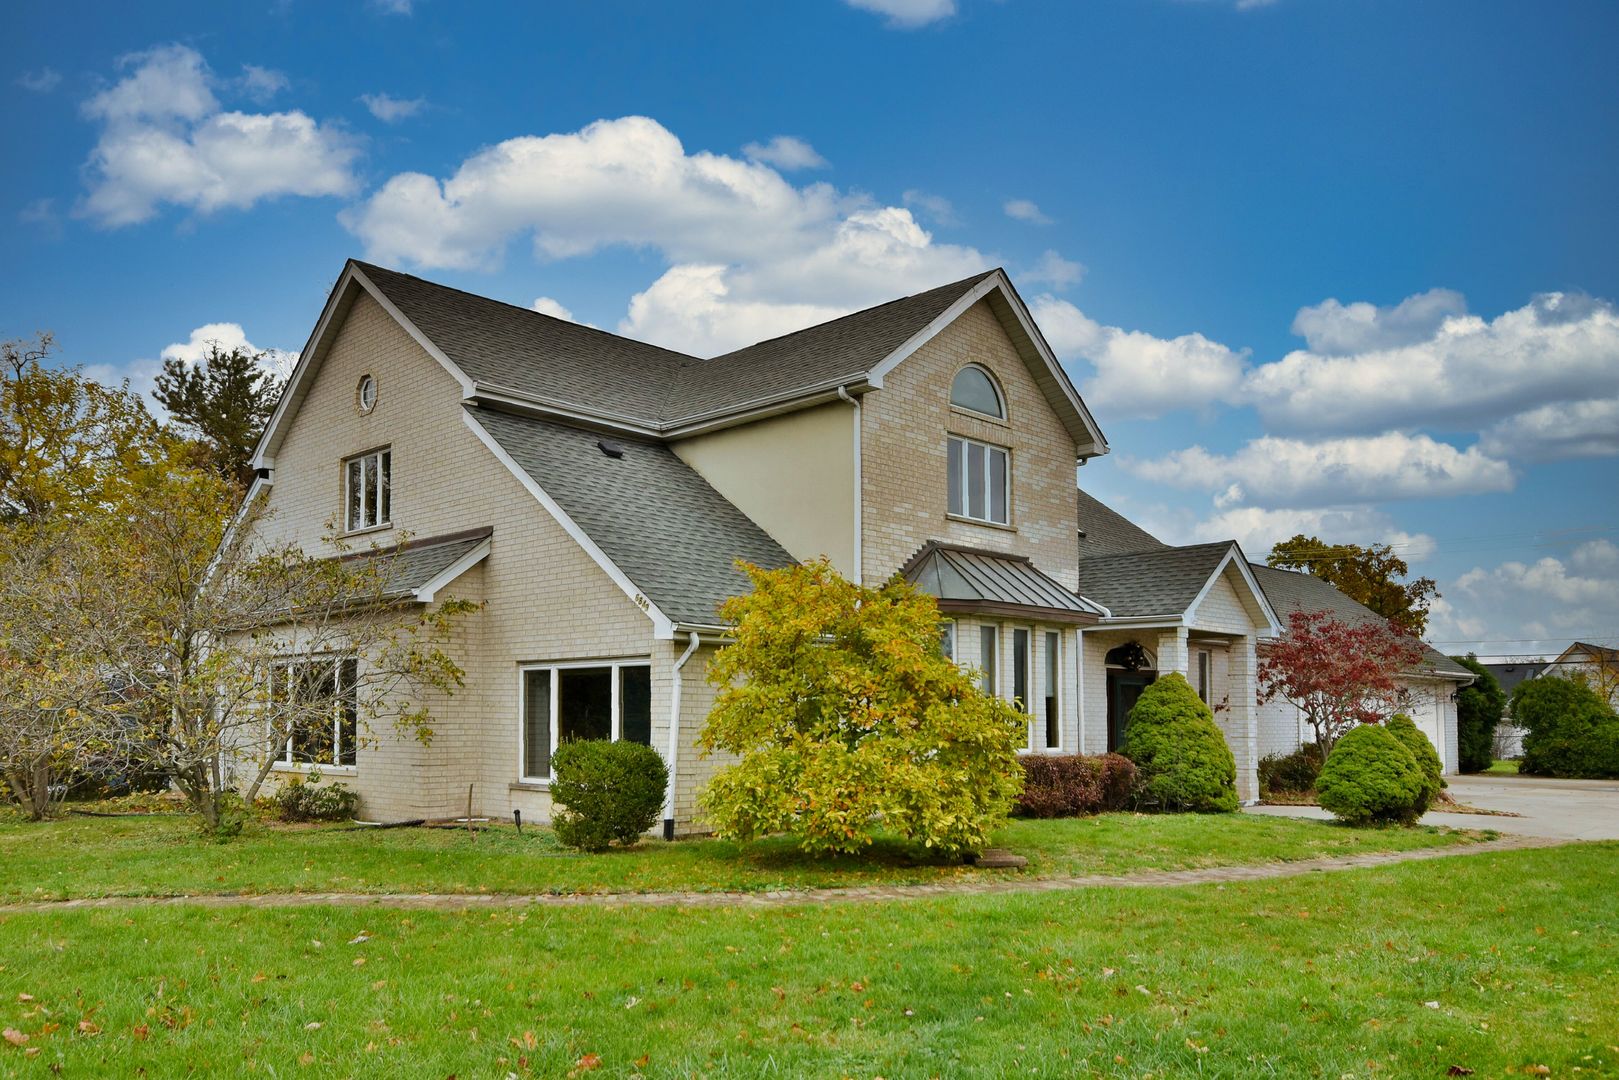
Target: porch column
{"type": "Point", "coordinates": [1173, 654]}
{"type": "Point", "coordinates": [1242, 731]}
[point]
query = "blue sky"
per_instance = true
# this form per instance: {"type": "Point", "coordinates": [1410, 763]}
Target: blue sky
{"type": "Point", "coordinates": [1344, 268]}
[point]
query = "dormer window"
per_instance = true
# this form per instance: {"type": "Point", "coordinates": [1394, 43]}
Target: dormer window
{"type": "Point", "coordinates": [974, 389]}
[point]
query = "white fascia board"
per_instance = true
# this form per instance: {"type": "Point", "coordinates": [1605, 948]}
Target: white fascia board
{"type": "Point", "coordinates": [1144, 622]}
{"type": "Point", "coordinates": [996, 282]}
{"type": "Point", "coordinates": [517, 402]}
{"type": "Point", "coordinates": [1100, 609]}
{"type": "Point", "coordinates": [428, 591]}
{"type": "Point", "coordinates": [663, 627]}
{"type": "Point", "coordinates": [309, 360]}
{"type": "Point", "coordinates": [229, 536]}
{"type": "Point", "coordinates": [1272, 627]}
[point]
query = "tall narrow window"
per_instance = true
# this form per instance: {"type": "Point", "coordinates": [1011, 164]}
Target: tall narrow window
{"type": "Point", "coordinates": [989, 648]}
{"type": "Point", "coordinates": [582, 701]}
{"type": "Point", "coordinates": [1020, 669]}
{"type": "Point", "coordinates": [1203, 687]}
{"type": "Point", "coordinates": [979, 478]}
{"type": "Point", "coordinates": [947, 639]}
{"type": "Point", "coordinates": [368, 490]}
{"type": "Point", "coordinates": [1053, 676]}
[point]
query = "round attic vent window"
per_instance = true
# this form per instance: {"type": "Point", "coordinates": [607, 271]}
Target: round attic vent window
{"type": "Point", "coordinates": [366, 395]}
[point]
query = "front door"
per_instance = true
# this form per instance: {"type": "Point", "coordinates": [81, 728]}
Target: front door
{"type": "Point", "coordinates": [1123, 688]}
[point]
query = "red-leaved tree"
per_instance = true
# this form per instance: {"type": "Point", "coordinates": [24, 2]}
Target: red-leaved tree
{"type": "Point", "coordinates": [1337, 674]}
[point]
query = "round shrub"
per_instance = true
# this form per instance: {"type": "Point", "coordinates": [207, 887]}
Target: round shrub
{"type": "Point", "coordinates": [1370, 776]}
{"type": "Point", "coordinates": [1182, 760]}
{"type": "Point", "coordinates": [1569, 728]}
{"type": "Point", "coordinates": [605, 791]}
{"type": "Point", "coordinates": [307, 799]}
{"type": "Point", "coordinates": [1074, 785]}
{"type": "Point", "coordinates": [1405, 729]}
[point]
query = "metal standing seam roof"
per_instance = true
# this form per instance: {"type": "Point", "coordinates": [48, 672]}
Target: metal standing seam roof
{"type": "Point", "coordinates": [654, 516]}
{"type": "Point", "coordinates": [1143, 584]}
{"type": "Point", "coordinates": [1292, 590]}
{"type": "Point", "coordinates": [971, 579]}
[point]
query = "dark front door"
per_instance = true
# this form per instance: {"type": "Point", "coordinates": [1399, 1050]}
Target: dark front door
{"type": "Point", "coordinates": [1123, 688]}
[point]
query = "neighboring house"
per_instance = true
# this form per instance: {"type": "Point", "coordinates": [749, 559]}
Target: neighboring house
{"type": "Point", "coordinates": [594, 493]}
{"type": "Point", "coordinates": [1508, 735]}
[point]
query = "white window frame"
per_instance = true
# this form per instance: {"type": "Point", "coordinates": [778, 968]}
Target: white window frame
{"type": "Point", "coordinates": [1053, 682]}
{"type": "Point", "coordinates": [953, 646]}
{"type": "Point", "coordinates": [555, 668]}
{"type": "Point", "coordinates": [994, 386]}
{"type": "Point", "coordinates": [285, 762]}
{"type": "Point", "coordinates": [993, 668]}
{"type": "Point", "coordinates": [965, 491]}
{"type": "Point", "coordinates": [1205, 675]}
{"type": "Point", "coordinates": [372, 514]}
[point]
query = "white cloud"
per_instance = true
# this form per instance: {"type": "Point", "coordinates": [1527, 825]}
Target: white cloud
{"type": "Point", "coordinates": [42, 81]}
{"type": "Point", "coordinates": [1424, 362]}
{"type": "Point", "coordinates": [262, 84]}
{"type": "Point", "coordinates": [908, 14]}
{"type": "Point", "coordinates": [755, 255]}
{"type": "Point", "coordinates": [1334, 329]}
{"type": "Point", "coordinates": [1553, 432]}
{"type": "Point", "coordinates": [1135, 373]}
{"type": "Point", "coordinates": [1258, 529]}
{"type": "Point", "coordinates": [1546, 603]}
{"type": "Point", "coordinates": [164, 139]}
{"type": "Point", "coordinates": [1282, 473]}
{"type": "Point", "coordinates": [394, 7]}
{"type": "Point", "coordinates": [228, 336]}
{"type": "Point", "coordinates": [1054, 270]}
{"type": "Point", "coordinates": [936, 208]}
{"type": "Point", "coordinates": [391, 110]}
{"type": "Point", "coordinates": [785, 152]}
{"type": "Point", "coordinates": [1025, 210]}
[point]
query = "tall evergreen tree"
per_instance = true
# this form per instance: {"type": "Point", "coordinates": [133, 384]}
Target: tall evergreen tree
{"type": "Point", "coordinates": [1479, 706]}
{"type": "Point", "coordinates": [224, 402]}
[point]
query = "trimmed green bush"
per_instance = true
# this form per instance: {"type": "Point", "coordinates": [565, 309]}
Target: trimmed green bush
{"type": "Point", "coordinates": [1479, 707]}
{"type": "Point", "coordinates": [1370, 776]}
{"type": "Point", "coordinates": [1569, 729]}
{"type": "Point", "coordinates": [605, 791]}
{"type": "Point", "coordinates": [1182, 760]}
{"type": "Point", "coordinates": [1405, 729]}
{"type": "Point", "coordinates": [307, 799]}
{"type": "Point", "coordinates": [1290, 774]}
{"type": "Point", "coordinates": [1074, 785]}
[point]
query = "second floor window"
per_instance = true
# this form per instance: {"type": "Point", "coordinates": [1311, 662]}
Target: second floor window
{"type": "Point", "coordinates": [979, 478]}
{"type": "Point", "coordinates": [368, 490]}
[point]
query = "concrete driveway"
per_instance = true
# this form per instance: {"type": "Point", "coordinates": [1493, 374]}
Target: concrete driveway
{"type": "Point", "coordinates": [1564, 809]}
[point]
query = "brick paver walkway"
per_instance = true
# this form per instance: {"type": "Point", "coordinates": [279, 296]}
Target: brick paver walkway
{"type": "Point", "coordinates": [791, 897]}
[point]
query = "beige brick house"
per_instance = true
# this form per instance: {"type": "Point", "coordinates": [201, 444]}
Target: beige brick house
{"type": "Point", "coordinates": [594, 493]}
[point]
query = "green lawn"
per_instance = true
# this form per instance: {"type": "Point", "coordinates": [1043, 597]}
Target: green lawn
{"type": "Point", "coordinates": [1494, 963]}
{"type": "Point", "coordinates": [165, 855]}
{"type": "Point", "coordinates": [1504, 768]}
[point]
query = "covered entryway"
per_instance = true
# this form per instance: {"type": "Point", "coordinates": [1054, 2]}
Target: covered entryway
{"type": "Point", "coordinates": [1129, 672]}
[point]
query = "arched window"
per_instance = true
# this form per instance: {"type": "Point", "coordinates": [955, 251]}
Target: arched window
{"type": "Point", "coordinates": [974, 389]}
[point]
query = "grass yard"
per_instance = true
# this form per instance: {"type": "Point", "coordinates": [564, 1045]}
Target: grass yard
{"type": "Point", "coordinates": [1503, 768]}
{"type": "Point", "coordinates": [164, 855]}
{"type": "Point", "coordinates": [1496, 963]}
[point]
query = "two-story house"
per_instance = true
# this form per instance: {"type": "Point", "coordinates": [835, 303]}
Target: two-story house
{"type": "Point", "coordinates": [594, 493]}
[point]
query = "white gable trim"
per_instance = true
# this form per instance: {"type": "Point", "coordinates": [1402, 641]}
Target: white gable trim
{"type": "Point", "coordinates": [996, 282]}
{"type": "Point", "coordinates": [1235, 557]}
{"type": "Point", "coordinates": [426, 592]}
{"type": "Point", "coordinates": [663, 627]}
{"type": "Point", "coordinates": [314, 353]}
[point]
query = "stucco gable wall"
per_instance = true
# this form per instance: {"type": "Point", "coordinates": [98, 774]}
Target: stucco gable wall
{"type": "Point", "coordinates": [546, 599]}
{"type": "Point", "coordinates": [903, 450]}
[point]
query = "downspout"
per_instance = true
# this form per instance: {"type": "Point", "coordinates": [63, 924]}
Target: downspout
{"type": "Point", "coordinates": [859, 493]}
{"type": "Point", "coordinates": [674, 737]}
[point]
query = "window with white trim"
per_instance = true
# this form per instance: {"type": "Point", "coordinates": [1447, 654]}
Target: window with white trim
{"type": "Point", "coordinates": [320, 696]}
{"type": "Point", "coordinates": [1021, 660]}
{"type": "Point", "coordinates": [947, 638]}
{"type": "Point", "coordinates": [594, 700]}
{"type": "Point", "coordinates": [1204, 664]}
{"type": "Point", "coordinates": [368, 490]}
{"type": "Point", "coordinates": [974, 389]}
{"type": "Point", "coordinates": [989, 651]}
{"type": "Point", "coordinates": [979, 477]}
{"type": "Point", "coordinates": [1053, 680]}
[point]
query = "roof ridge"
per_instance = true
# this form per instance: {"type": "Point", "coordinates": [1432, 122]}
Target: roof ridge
{"type": "Point", "coordinates": [525, 310]}
{"type": "Point", "coordinates": [973, 278]}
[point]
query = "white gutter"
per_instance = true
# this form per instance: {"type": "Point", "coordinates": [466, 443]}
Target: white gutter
{"type": "Point", "coordinates": [858, 490]}
{"type": "Point", "coordinates": [674, 737]}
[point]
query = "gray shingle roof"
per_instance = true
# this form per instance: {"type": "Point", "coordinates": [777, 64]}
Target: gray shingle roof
{"type": "Point", "coordinates": [1163, 581]}
{"type": "Point", "coordinates": [503, 347]}
{"type": "Point", "coordinates": [656, 518]}
{"type": "Point", "coordinates": [966, 579]}
{"type": "Point", "coordinates": [841, 350]}
{"type": "Point", "coordinates": [1508, 676]}
{"type": "Point", "coordinates": [1108, 532]}
{"type": "Point", "coordinates": [1290, 591]}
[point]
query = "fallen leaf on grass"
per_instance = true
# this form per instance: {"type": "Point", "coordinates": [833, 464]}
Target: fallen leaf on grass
{"type": "Point", "coordinates": [588, 1062]}
{"type": "Point", "coordinates": [14, 1037]}
{"type": "Point", "coordinates": [1430, 1004]}
{"type": "Point", "coordinates": [1538, 1070]}
{"type": "Point", "coordinates": [89, 1027]}
{"type": "Point", "coordinates": [643, 1061]}
{"type": "Point", "coordinates": [1458, 1070]}
{"type": "Point", "coordinates": [25, 997]}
